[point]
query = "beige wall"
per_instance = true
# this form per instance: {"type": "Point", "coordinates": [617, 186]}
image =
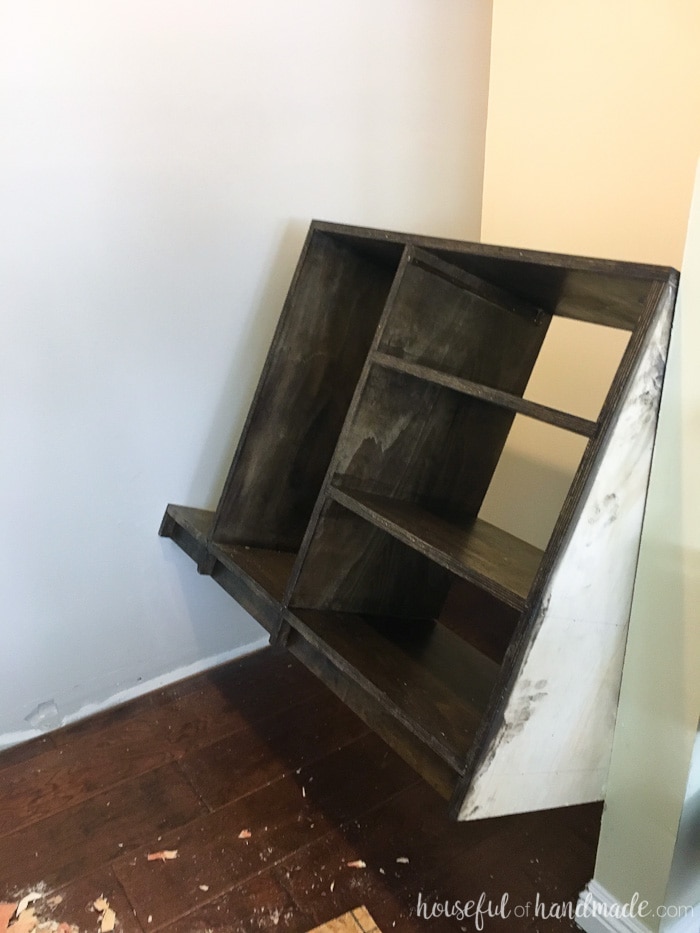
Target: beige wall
{"type": "Point", "coordinates": [593, 126]}
{"type": "Point", "coordinates": [592, 135]}
{"type": "Point", "coordinates": [592, 140]}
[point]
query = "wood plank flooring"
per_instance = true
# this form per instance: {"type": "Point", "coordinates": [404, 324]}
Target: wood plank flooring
{"type": "Point", "coordinates": [259, 745]}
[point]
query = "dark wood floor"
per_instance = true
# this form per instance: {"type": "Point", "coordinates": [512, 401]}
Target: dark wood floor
{"type": "Point", "coordinates": [260, 745]}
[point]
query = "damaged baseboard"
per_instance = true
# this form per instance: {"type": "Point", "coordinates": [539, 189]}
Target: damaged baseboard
{"type": "Point", "coordinates": [599, 912]}
{"type": "Point", "coordinates": [46, 717]}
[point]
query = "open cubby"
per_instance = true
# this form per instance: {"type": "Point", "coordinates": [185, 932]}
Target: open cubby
{"type": "Point", "coordinates": [352, 524]}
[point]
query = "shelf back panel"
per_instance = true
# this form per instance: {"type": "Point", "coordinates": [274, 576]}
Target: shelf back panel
{"type": "Point", "coordinates": [413, 440]}
{"type": "Point", "coordinates": [457, 324]}
{"type": "Point", "coordinates": [353, 566]}
{"type": "Point", "coordinates": [320, 346]}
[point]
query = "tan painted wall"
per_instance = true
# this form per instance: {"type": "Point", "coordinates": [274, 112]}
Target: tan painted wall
{"type": "Point", "coordinates": [593, 127]}
{"type": "Point", "coordinates": [592, 141]}
{"type": "Point", "coordinates": [592, 136]}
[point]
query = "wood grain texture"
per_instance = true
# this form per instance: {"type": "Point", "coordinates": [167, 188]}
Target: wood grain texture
{"type": "Point", "coordinates": [500, 563]}
{"type": "Point", "coordinates": [435, 684]}
{"type": "Point", "coordinates": [601, 291]}
{"type": "Point", "coordinates": [255, 577]}
{"type": "Point", "coordinates": [358, 802]}
{"type": "Point", "coordinates": [421, 442]}
{"type": "Point", "coordinates": [442, 319]}
{"type": "Point", "coordinates": [478, 617]}
{"type": "Point", "coordinates": [317, 354]}
{"type": "Point", "coordinates": [78, 899]}
{"type": "Point", "coordinates": [363, 701]}
{"type": "Point", "coordinates": [413, 826]}
{"type": "Point", "coordinates": [553, 416]}
{"type": "Point", "coordinates": [660, 299]}
{"type": "Point", "coordinates": [354, 566]}
{"type": "Point", "coordinates": [261, 904]}
{"type": "Point", "coordinates": [358, 920]}
{"type": "Point", "coordinates": [54, 851]}
{"type": "Point", "coordinates": [82, 760]}
{"type": "Point", "coordinates": [303, 733]}
{"type": "Point", "coordinates": [282, 817]}
{"type": "Point", "coordinates": [386, 400]}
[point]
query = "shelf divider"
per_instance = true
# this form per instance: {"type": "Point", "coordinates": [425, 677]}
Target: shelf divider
{"type": "Point", "coordinates": [559, 419]}
{"type": "Point", "coordinates": [493, 559]}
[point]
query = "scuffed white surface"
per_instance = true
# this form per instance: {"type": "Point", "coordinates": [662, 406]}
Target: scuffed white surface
{"type": "Point", "coordinates": [554, 746]}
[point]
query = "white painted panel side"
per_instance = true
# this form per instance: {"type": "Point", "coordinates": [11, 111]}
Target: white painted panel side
{"type": "Point", "coordinates": [553, 748]}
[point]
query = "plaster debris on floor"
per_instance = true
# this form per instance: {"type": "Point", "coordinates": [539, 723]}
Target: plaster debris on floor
{"type": "Point", "coordinates": [351, 922]}
{"type": "Point", "coordinates": [164, 855]}
{"type": "Point", "coordinates": [32, 913]}
{"type": "Point", "coordinates": [108, 918]}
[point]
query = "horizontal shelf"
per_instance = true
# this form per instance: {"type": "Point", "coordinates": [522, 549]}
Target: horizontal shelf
{"type": "Point", "coordinates": [553, 416]}
{"type": "Point", "coordinates": [493, 559]}
{"type": "Point", "coordinates": [256, 577]}
{"type": "Point", "coordinates": [433, 683]}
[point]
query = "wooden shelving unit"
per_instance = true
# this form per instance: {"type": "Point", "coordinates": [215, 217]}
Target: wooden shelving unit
{"type": "Point", "coordinates": [349, 524]}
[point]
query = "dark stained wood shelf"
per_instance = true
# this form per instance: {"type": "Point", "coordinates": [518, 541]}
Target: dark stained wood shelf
{"type": "Point", "coordinates": [256, 577]}
{"type": "Point", "coordinates": [433, 682]}
{"type": "Point", "coordinates": [560, 419]}
{"type": "Point", "coordinates": [500, 563]}
{"type": "Point", "coordinates": [348, 524]}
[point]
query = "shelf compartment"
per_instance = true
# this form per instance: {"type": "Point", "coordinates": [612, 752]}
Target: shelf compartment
{"type": "Point", "coordinates": [429, 765]}
{"type": "Point", "coordinates": [495, 560]}
{"type": "Point", "coordinates": [593, 353]}
{"type": "Point", "coordinates": [515, 403]}
{"type": "Point", "coordinates": [414, 440]}
{"type": "Point", "coordinates": [432, 682]}
{"type": "Point", "coordinates": [325, 332]}
{"type": "Point", "coordinates": [255, 577]}
{"type": "Point", "coordinates": [445, 319]}
{"type": "Point", "coordinates": [352, 565]}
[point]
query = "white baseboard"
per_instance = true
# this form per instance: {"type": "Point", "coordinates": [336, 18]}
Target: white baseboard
{"type": "Point", "coordinates": [598, 912]}
{"type": "Point", "coordinates": [9, 739]}
{"type": "Point", "coordinates": [687, 924]}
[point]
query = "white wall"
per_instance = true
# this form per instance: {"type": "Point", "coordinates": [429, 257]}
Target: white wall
{"type": "Point", "coordinates": [159, 165]}
{"type": "Point", "coordinates": [660, 697]}
{"type": "Point", "coordinates": [683, 887]}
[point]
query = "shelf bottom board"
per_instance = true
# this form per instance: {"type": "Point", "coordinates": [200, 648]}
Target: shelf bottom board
{"type": "Point", "coordinates": [420, 686]}
{"type": "Point", "coordinates": [430, 766]}
{"type": "Point", "coordinates": [432, 682]}
{"type": "Point", "coordinates": [255, 577]}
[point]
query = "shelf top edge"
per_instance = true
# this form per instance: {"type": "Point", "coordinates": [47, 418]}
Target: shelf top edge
{"type": "Point", "coordinates": [555, 260]}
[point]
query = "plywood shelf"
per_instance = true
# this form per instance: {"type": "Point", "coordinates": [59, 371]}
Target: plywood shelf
{"type": "Point", "coordinates": [255, 577]}
{"type": "Point", "coordinates": [497, 561]}
{"type": "Point", "coordinates": [433, 682]}
{"type": "Point", "coordinates": [545, 413]}
{"type": "Point", "coordinates": [349, 522]}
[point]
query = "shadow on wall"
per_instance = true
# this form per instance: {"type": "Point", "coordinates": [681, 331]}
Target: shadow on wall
{"type": "Point", "coordinates": [684, 883]}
